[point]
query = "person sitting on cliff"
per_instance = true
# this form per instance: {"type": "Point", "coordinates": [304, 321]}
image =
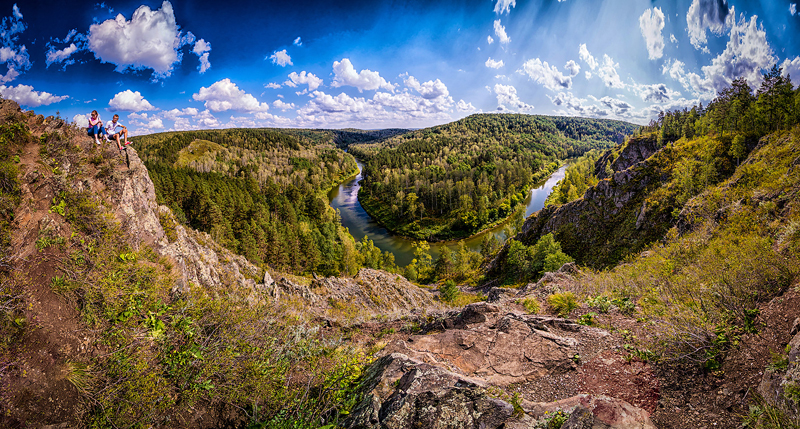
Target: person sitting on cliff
{"type": "Point", "coordinates": [96, 126]}
{"type": "Point", "coordinates": [111, 130]}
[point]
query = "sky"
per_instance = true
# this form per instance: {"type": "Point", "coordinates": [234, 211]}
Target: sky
{"type": "Point", "coordinates": [182, 65]}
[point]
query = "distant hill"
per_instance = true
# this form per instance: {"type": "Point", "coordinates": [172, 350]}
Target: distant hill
{"type": "Point", "coordinates": [453, 180]}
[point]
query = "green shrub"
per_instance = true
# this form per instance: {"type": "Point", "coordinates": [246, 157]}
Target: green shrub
{"type": "Point", "coordinates": [587, 319]}
{"type": "Point", "coordinates": [448, 291]}
{"type": "Point", "coordinates": [531, 305]}
{"type": "Point", "coordinates": [562, 303]}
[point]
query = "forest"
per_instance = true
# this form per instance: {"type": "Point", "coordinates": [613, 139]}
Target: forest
{"type": "Point", "coordinates": [259, 192]}
{"type": "Point", "coordinates": [454, 180]}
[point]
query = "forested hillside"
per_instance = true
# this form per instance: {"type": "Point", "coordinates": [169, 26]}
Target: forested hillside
{"type": "Point", "coordinates": [259, 192]}
{"type": "Point", "coordinates": [454, 180]}
{"type": "Point", "coordinates": [646, 181]}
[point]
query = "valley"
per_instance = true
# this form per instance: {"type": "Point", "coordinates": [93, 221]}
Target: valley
{"type": "Point", "coordinates": [209, 283]}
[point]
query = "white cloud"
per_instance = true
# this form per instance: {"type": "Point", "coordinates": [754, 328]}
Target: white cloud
{"type": "Point", "coordinates": [588, 74]}
{"type": "Point", "coordinates": [281, 58]}
{"type": "Point", "coordinates": [573, 68]}
{"type": "Point", "coordinates": [504, 6]}
{"type": "Point", "coordinates": [297, 41]}
{"type": "Point", "coordinates": [129, 101]}
{"type": "Point", "coordinates": [703, 15]}
{"type": "Point", "coordinates": [225, 95]}
{"type": "Point", "coordinates": [81, 120]}
{"type": "Point", "coordinates": [673, 39]}
{"type": "Point", "coordinates": [303, 78]}
{"type": "Point", "coordinates": [608, 73]}
{"type": "Point", "coordinates": [282, 105]}
{"type": "Point", "coordinates": [59, 56]}
{"type": "Point", "coordinates": [586, 57]}
{"type": "Point", "coordinates": [494, 64]}
{"type": "Point", "coordinates": [489, 39]}
{"type": "Point", "coordinates": [14, 56]}
{"type": "Point", "coordinates": [202, 49]}
{"type": "Point", "coordinates": [500, 32]}
{"type": "Point", "coordinates": [151, 39]}
{"type": "Point", "coordinates": [26, 96]}
{"type": "Point", "coordinates": [429, 90]}
{"type": "Point", "coordinates": [746, 54]}
{"type": "Point", "coordinates": [507, 99]}
{"type": "Point", "coordinates": [463, 106]}
{"type": "Point", "coordinates": [651, 23]}
{"type": "Point", "coordinates": [546, 75]}
{"type": "Point", "coordinates": [346, 75]}
{"type": "Point", "coordinates": [791, 69]}
{"type": "Point", "coordinates": [793, 9]}
{"type": "Point", "coordinates": [175, 114]}
{"type": "Point", "coordinates": [272, 85]}
{"type": "Point", "coordinates": [656, 93]}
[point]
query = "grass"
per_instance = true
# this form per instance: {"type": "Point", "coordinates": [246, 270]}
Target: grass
{"type": "Point", "coordinates": [703, 287]}
{"type": "Point", "coordinates": [562, 303]}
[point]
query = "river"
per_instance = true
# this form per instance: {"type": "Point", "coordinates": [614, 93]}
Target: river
{"type": "Point", "coordinates": [345, 199]}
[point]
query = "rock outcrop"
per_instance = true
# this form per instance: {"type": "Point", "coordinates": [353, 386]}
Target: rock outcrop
{"type": "Point", "coordinates": [400, 392]}
{"type": "Point", "coordinates": [612, 218]}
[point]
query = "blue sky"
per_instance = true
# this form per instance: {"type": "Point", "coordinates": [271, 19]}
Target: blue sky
{"type": "Point", "coordinates": [178, 65]}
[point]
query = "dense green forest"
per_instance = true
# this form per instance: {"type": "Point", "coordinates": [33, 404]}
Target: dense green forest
{"type": "Point", "coordinates": [579, 176]}
{"type": "Point", "coordinates": [260, 192]}
{"type": "Point", "coordinates": [454, 180]}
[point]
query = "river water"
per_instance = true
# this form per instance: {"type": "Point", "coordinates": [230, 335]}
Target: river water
{"type": "Point", "coordinates": [345, 199]}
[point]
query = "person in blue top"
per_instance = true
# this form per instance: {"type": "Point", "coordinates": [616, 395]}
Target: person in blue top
{"type": "Point", "coordinates": [96, 126]}
{"type": "Point", "coordinates": [115, 130]}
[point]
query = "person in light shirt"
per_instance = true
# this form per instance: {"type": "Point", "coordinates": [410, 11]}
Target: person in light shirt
{"type": "Point", "coordinates": [115, 130]}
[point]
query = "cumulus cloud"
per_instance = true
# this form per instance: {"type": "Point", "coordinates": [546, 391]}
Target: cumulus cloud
{"type": "Point", "coordinates": [201, 49]}
{"type": "Point", "coordinates": [494, 64]}
{"type": "Point", "coordinates": [608, 73]}
{"type": "Point", "coordinates": [656, 93]}
{"type": "Point", "coordinates": [507, 99]}
{"type": "Point", "coordinates": [791, 69]}
{"type": "Point", "coordinates": [81, 120]}
{"type": "Point", "coordinates": [26, 96]}
{"type": "Point", "coordinates": [225, 95]}
{"type": "Point", "coordinates": [673, 39]}
{"type": "Point", "coordinates": [428, 90]}
{"type": "Point", "coordinates": [346, 75]}
{"type": "Point", "coordinates": [297, 41]}
{"type": "Point", "coordinates": [546, 75]}
{"type": "Point", "coordinates": [793, 9]}
{"type": "Point", "coordinates": [463, 106]}
{"type": "Point", "coordinates": [500, 32]}
{"type": "Point", "coordinates": [303, 78]}
{"type": "Point", "coordinates": [281, 58]}
{"type": "Point", "coordinates": [573, 68]}
{"type": "Point", "coordinates": [129, 101]}
{"type": "Point", "coordinates": [150, 39]}
{"type": "Point", "coordinates": [705, 15]}
{"type": "Point", "coordinates": [282, 105]}
{"type": "Point", "coordinates": [651, 23]}
{"type": "Point", "coordinates": [586, 57]}
{"type": "Point", "coordinates": [13, 55]}
{"type": "Point", "coordinates": [504, 6]}
{"type": "Point", "coordinates": [272, 85]}
{"type": "Point", "coordinates": [489, 39]}
{"type": "Point", "coordinates": [176, 114]}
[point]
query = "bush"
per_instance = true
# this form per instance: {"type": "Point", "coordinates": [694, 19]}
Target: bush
{"type": "Point", "coordinates": [448, 291]}
{"type": "Point", "coordinates": [562, 303]}
{"type": "Point", "coordinates": [531, 305]}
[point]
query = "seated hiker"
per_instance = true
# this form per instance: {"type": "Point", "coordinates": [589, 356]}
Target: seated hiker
{"type": "Point", "coordinates": [96, 126]}
{"type": "Point", "coordinates": [114, 129]}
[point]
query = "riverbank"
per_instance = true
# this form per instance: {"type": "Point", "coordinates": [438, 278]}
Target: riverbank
{"type": "Point", "coordinates": [381, 213]}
